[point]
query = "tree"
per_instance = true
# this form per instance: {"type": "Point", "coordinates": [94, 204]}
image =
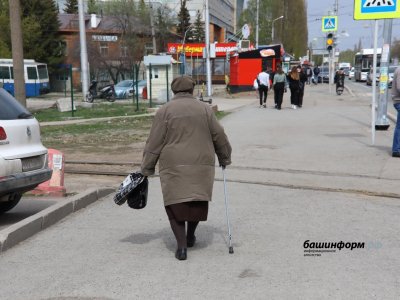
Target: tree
{"type": "Point", "coordinates": [42, 40]}
{"type": "Point", "coordinates": [347, 56]}
{"type": "Point", "coordinates": [92, 7]}
{"type": "Point", "coordinates": [291, 31]}
{"type": "Point", "coordinates": [198, 30]}
{"type": "Point", "coordinates": [163, 24]}
{"type": "Point", "coordinates": [40, 27]}
{"type": "Point", "coordinates": [183, 19]}
{"type": "Point", "coordinates": [71, 7]}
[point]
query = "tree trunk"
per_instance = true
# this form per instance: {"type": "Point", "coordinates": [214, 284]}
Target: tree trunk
{"type": "Point", "coordinates": [17, 51]}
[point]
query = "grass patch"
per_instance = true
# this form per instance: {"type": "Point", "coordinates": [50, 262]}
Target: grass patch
{"type": "Point", "coordinates": [221, 114]}
{"type": "Point", "coordinates": [97, 111]}
{"type": "Point", "coordinates": [97, 136]}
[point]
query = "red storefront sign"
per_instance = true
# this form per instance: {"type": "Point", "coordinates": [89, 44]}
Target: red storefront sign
{"type": "Point", "coordinates": [196, 49]}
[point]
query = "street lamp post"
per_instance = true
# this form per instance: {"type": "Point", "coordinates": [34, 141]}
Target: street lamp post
{"type": "Point", "coordinates": [273, 29]}
{"type": "Point", "coordinates": [183, 48]}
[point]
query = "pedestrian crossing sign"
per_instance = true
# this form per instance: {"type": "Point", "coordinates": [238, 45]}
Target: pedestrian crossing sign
{"type": "Point", "coordinates": [329, 23]}
{"type": "Point", "coordinates": [376, 9]}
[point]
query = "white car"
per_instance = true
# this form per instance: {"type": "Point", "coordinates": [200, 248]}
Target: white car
{"type": "Point", "coordinates": [351, 73]}
{"type": "Point", "coordinates": [23, 158]}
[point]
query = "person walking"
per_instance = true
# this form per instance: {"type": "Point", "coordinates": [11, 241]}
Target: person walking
{"type": "Point", "coordinates": [263, 87]}
{"type": "Point", "coordinates": [303, 80]}
{"type": "Point", "coordinates": [309, 74]}
{"type": "Point", "coordinates": [184, 138]}
{"type": "Point", "coordinates": [316, 73]}
{"type": "Point", "coordinates": [396, 103]}
{"type": "Point", "coordinates": [294, 85]}
{"type": "Point", "coordinates": [279, 86]}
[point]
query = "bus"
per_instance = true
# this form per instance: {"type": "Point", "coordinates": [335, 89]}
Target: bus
{"type": "Point", "coordinates": [35, 74]}
{"type": "Point", "coordinates": [363, 63]}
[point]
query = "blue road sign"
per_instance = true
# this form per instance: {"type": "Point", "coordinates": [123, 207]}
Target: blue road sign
{"type": "Point", "coordinates": [329, 23]}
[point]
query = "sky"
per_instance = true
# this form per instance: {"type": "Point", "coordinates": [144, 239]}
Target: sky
{"type": "Point", "coordinates": [349, 31]}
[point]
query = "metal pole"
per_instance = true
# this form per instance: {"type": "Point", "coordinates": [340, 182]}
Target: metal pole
{"type": "Point", "coordinates": [382, 122]}
{"type": "Point", "coordinates": [150, 78]}
{"type": "Point", "coordinates": [207, 25]}
{"type": "Point", "coordinates": [72, 90]}
{"type": "Point", "coordinates": [84, 57]}
{"type": "Point", "coordinates": [373, 109]}
{"type": "Point", "coordinates": [257, 20]}
{"type": "Point", "coordinates": [166, 67]}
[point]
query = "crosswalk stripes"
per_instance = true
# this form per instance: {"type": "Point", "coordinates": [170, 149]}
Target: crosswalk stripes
{"type": "Point", "coordinates": [378, 3]}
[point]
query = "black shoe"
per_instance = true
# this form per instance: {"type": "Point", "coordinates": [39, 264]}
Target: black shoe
{"type": "Point", "coordinates": [190, 241]}
{"type": "Point", "coordinates": [396, 154]}
{"type": "Point", "coordinates": [181, 254]}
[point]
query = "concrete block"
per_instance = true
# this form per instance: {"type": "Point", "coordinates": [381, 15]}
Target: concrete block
{"type": "Point", "coordinates": [21, 231]}
{"type": "Point", "coordinates": [84, 199]}
{"type": "Point", "coordinates": [64, 104]}
{"type": "Point", "coordinates": [56, 212]}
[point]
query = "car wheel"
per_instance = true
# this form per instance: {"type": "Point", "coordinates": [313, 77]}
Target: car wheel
{"type": "Point", "coordinates": [9, 204]}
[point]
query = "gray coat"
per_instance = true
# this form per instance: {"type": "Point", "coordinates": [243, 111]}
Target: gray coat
{"type": "Point", "coordinates": [184, 138]}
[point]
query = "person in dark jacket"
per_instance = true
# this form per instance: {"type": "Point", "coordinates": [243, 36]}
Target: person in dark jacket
{"type": "Point", "coordinates": [184, 138]}
{"type": "Point", "coordinates": [303, 80]}
{"type": "Point", "coordinates": [294, 85]}
{"type": "Point", "coordinates": [279, 85]}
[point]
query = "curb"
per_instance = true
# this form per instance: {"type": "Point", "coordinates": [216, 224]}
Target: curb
{"type": "Point", "coordinates": [26, 228]}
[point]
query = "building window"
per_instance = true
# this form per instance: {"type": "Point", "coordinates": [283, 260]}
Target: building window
{"type": "Point", "coordinates": [104, 49]}
{"type": "Point", "coordinates": [124, 51]}
{"type": "Point", "coordinates": [148, 47]}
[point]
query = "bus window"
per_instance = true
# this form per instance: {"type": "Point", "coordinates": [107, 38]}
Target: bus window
{"type": "Point", "coordinates": [32, 74]}
{"type": "Point", "coordinates": [4, 72]}
{"type": "Point", "coordinates": [42, 69]}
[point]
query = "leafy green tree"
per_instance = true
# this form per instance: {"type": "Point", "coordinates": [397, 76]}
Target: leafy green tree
{"type": "Point", "coordinates": [291, 31]}
{"type": "Point", "coordinates": [40, 27]}
{"type": "Point", "coordinates": [198, 34]}
{"type": "Point", "coordinates": [92, 7]}
{"type": "Point", "coordinates": [5, 38]}
{"type": "Point", "coordinates": [163, 24]}
{"type": "Point", "coordinates": [71, 7]}
{"type": "Point", "coordinates": [347, 56]}
{"type": "Point", "coordinates": [183, 19]}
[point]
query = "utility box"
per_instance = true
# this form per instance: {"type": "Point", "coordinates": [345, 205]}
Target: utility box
{"type": "Point", "coordinates": [160, 71]}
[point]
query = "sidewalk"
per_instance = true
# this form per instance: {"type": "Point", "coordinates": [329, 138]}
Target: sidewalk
{"type": "Point", "coordinates": [309, 174]}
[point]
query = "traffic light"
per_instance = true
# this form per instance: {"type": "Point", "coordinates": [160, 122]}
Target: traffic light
{"type": "Point", "coordinates": [330, 40]}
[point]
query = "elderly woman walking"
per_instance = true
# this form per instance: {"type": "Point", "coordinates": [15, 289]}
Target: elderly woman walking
{"type": "Point", "coordinates": [184, 138]}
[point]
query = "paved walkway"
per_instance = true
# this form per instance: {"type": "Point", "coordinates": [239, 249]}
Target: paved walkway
{"type": "Point", "coordinates": [299, 177]}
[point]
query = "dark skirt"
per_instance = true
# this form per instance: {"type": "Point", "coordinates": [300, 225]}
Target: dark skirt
{"type": "Point", "coordinates": [192, 211]}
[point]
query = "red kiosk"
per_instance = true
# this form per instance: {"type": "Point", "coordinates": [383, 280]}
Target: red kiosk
{"type": "Point", "coordinates": [245, 66]}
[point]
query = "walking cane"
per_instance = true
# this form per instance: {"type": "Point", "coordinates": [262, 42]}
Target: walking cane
{"type": "Point", "coordinates": [227, 213]}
